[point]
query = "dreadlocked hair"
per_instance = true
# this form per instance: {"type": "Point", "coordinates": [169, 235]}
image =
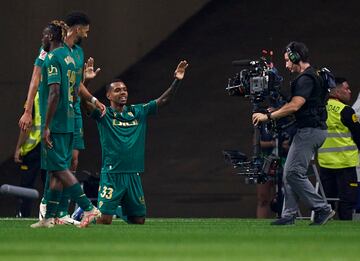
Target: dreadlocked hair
{"type": "Point", "coordinates": [58, 29]}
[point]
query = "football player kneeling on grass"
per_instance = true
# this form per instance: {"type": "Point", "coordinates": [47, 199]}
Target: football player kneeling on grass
{"type": "Point", "coordinates": [122, 136]}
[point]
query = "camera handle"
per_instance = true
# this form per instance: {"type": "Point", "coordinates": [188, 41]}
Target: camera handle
{"type": "Point", "coordinates": [257, 159]}
{"type": "Point", "coordinates": [256, 146]}
{"type": "Point", "coordinates": [279, 184]}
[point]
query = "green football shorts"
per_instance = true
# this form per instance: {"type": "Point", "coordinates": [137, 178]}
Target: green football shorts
{"type": "Point", "coordinates": [59, 157]}
{"type": "Point", "coordinates": [122, 189]}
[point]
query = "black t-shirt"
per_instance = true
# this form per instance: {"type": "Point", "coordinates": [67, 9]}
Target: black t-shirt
{"type": "Point", "coordinates": [349, 119]}
{"type": "Point", "coordinates": [313, 112]}
{"type": "Point", "coordinates": [304, 87]}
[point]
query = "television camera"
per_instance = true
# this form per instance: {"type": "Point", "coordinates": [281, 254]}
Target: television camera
{"type": "Point", "coordinates": [258, 81]}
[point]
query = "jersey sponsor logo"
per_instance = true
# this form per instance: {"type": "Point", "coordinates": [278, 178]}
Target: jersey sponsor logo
{"type": "Point", "coordinates": [68, 59]}
{"type": "Point", "coordinates": [42, 55]}
{"type": "Point", "coordinates": [125, 124]}
{"type": "Point", "coordinates": [52, 70]}
{"type": "Point", "coordinates": [354, 118]}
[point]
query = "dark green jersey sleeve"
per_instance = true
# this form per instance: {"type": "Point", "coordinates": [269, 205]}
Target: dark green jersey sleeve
{"type": "Point", "coordinates": [79, 59]}
{"type": "Point", "coordinates": [39, 61]}
{"type": "Point", "coordinates": [53, 70]}
{"type": "Point", "coordinates": [150, 108]}
{"type": "Point", "coordinates": [96, 114]}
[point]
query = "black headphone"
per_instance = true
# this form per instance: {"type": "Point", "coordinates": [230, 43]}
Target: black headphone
{"type": "Point", "coordinates": [294, 56]}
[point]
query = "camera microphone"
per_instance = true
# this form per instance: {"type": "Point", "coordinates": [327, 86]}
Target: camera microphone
{"type": "Point", "coordinates": [244, 62]}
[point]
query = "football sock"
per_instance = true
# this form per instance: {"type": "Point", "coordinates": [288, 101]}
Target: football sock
{"type": "Point", "coordinates": [46, 188]}
{"type": "Point", "coordinates": [77, 194]}
{"type": "Point", "coordinates": [63, 207]}
{"type": "Point", "coordinates": [53, 198]}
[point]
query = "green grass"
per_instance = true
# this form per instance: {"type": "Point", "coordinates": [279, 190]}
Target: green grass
{"type": "Point", "coordinates": [181, 239]}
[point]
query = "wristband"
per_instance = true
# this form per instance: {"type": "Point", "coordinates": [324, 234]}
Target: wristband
{"type": "Point", "coordinates": [93, 100]}
{"type": "Point", "coordinates": [268, 114]}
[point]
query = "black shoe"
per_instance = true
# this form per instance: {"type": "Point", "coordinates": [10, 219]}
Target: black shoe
{"type": "Point", "coordinates": [322, 216]}
{"type": "Point", "coordinates": [290, 220]}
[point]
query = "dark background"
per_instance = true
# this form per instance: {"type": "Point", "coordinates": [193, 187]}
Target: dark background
{"type": "Point", "coordinates": [185, 172]}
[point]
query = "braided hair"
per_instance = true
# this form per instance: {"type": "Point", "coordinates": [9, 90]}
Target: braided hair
{"type": "Point", "coordinates": [58, 29]}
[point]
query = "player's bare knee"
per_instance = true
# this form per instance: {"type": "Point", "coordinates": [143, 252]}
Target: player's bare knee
{"type": "Point", "coordinates": [104, 219]}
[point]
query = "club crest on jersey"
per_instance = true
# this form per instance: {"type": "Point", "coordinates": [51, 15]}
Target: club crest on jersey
{"type": "Point", "coordinates": [68, 59]}
{"type": "Point", "coordinates": [142, 200]}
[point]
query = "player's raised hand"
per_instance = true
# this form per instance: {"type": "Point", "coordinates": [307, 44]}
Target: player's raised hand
{"type": "Point", "coordinates": [180, 70]}
{"type": "Point", "coordinates": [89, 72]}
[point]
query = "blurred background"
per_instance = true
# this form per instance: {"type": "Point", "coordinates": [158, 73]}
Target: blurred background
{"type": "Point", "coordinates": [142, 42]}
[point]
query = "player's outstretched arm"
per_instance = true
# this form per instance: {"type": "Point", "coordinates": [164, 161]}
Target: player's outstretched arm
{"type": "Point", "coordinates": [87, 107]}
{"type": "Point", "coordinates": [25, 121]}
{"type": "Point", "coordinates": [170, 92]}
{"type": "Point", "coordinates": [87, 96]}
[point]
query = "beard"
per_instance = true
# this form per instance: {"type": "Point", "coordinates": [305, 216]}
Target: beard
{"type": "Point", "coordinates": [78, 41]}
{"type": "Point", "coordinates": [46, 47]}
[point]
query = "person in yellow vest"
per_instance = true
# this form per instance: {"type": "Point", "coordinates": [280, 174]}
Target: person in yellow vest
{"type": "Point", "coordinates": [27, 155]}
{"type": "Point", "coordinates": [338, 156]}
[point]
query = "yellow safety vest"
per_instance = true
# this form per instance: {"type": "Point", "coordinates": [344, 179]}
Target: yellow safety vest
{"type": "Point", "coordinates": [34, 135]}
{"type": "Point", "coordinates": [339, 149]}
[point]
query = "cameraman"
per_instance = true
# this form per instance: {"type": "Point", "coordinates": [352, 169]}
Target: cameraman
{"type": "Point", "coordinates": [308, 98]}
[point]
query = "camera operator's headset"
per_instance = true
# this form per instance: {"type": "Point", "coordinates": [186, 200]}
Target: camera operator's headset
{"type": "Point", "coordinates": [294, 56]}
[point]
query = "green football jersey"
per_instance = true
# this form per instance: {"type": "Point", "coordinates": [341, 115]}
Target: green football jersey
{"type": "Point", "coordinates": [122, 137]}
{"type": "Point", "coordinates": [78, 54]}
{"type": "Point", "coordinates": [59, 67]}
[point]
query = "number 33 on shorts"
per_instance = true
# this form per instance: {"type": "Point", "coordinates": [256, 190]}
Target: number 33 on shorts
{"type": "Point", "coordinates": [106, 192]}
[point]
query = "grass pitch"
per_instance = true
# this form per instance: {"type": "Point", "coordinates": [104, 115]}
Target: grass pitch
{"type": "Point", "coordinates": [181, 239]}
